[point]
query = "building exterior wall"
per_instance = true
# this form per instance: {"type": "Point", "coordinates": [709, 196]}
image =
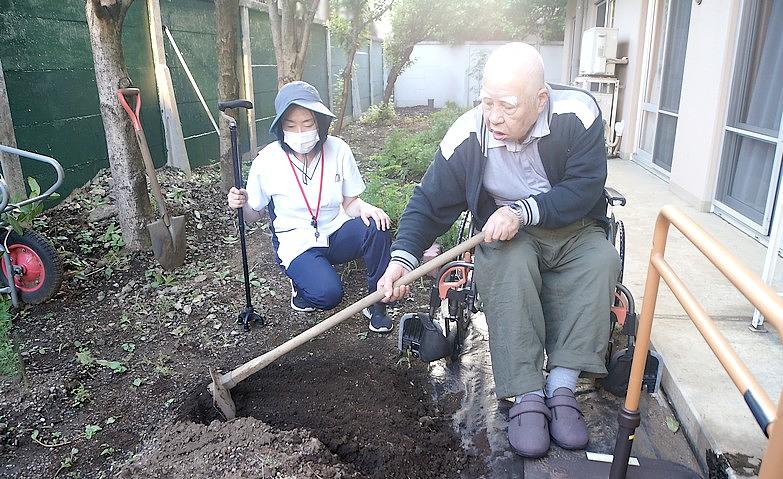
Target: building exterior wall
{"type": "Point", "coordinates": [452, 73]}
{"type": "Point", "coordinates": [631, 20]}
{"type": "Point", "coordinates": [705, 97]}
{"type": "Point", "coordinates": [705, 86]}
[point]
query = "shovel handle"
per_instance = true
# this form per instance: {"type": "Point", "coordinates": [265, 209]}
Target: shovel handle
{"type": "Point", "coordinates": [153, 176]}
{"type": "Point", "coordinates": [122, 93]}
{"type": "Point", "coordinates": [232, 378]}
{"type": "Point", "coordinates": [133, 113]}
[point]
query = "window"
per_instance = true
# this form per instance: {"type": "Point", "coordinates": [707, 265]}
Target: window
{"type": "Point", "coordinates": [751, 157]}
{"type": "Point", "coordinates": [600, 14]}
{"type": "Point", "coordinates": [661, 103]}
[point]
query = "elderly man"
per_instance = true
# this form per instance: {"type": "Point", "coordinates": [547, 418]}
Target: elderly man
{"type": "Point", "coordinates": [530, 165]}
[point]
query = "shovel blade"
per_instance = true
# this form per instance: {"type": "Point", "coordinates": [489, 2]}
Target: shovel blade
{"type": "Point", "coordinates": [177, 230]}
{"type": "Point", "coordinates": [168, 242]}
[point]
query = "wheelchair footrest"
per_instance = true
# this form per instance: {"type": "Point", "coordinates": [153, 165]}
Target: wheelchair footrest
{"type": "Point", "coordinates": [423, 337]}
{"type": "Point", "coordinates": [619, 372]}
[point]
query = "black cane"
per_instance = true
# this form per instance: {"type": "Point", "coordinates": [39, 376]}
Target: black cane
{"type": "Point", "coordinates": [248, 314]}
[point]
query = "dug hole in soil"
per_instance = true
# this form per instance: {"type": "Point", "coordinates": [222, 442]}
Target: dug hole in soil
{"type": "Point", "coordinates": [116, 365]}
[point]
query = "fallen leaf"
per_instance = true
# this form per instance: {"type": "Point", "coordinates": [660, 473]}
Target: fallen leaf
{"type": "Point", "coordinates": [672, 424]}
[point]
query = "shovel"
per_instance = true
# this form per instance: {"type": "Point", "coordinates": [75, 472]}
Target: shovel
{"type": "Point", "coordinates": [168, 233]}
{"type": "Point", "coordinates": [221, 384]}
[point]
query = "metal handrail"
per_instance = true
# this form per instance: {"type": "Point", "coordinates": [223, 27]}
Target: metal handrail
{"type": "Point", "coordinates": [4, 195]}
{"type": "Point", "coordinates": [751, 286]}
{"type": "Point", "coordinates": [45, 159]}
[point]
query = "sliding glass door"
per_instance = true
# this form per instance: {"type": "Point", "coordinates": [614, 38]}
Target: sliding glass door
{"type": "Point", "coordinates": [661, 101]}
{"type": "Point", "coordinates": [751, 158]}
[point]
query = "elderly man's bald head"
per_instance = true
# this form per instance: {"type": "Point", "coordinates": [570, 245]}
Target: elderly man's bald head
{"type": "Point", "coordinates": [517, 64]}
{"type": "Point", "coordinates": [513, 92]}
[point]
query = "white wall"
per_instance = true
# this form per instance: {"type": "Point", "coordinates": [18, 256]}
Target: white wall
{"type": "Point", "coordinates": [437, 72]}
{"type": "Point", "coordinates": [447, 73]}
{"type": "Point", "coordinates": [629, 19]}
{"type": "Point", "coordinates": [705, 95]}
{"type": "Point", "coordinates": [553, 64]}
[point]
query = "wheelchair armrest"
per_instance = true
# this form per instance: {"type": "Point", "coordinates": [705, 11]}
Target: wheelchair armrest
{"type": "Point", "coordinates": [614, 197]}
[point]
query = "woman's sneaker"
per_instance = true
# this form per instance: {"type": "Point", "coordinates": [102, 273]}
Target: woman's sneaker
{"type": "Point", "coordinates": [298, 303]}
{"type": "Point", "coordinates": [380, 322]}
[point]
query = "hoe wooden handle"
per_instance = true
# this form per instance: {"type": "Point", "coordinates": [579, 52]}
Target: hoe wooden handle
{"type": "Point", "coordinates": [232, 378]}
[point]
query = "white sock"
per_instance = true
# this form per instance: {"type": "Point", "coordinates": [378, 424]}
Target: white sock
{"type": "Point", "coordinates": [561, 378]}
{"type": "Point", "coordinates": [539, 392]}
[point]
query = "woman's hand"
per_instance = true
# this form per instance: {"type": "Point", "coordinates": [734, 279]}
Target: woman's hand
{"type": "Point", "coordinates": [357, 208]}
{"type": "Point", "coordinates": [237, 198]}
{"type": "Point", "coordinates": [367, 211]}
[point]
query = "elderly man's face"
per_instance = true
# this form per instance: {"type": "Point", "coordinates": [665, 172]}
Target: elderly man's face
{"type": "Point", "coordinates": [510, 110]}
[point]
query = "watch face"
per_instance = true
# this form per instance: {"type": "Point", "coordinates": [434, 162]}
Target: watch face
{"type": "Point", "coordinates": [517, 210]}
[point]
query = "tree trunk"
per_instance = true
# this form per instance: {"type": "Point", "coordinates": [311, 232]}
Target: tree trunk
{"type": "Point", "coordinates": [129, 185]}
{"type": "Point", "coordinates": [395, 73]}
{"type": "Point", "coordinates": [346, 76]}
{"type": "Point", "coordinates": [290, 37]}
{"type": "Point", "coordinates": [227, 13]}
{"type": "Point", "coordinates": [12, 169]}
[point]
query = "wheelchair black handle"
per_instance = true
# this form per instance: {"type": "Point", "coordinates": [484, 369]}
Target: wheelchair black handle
{"type": "Point", "coordinates": [229, 104]}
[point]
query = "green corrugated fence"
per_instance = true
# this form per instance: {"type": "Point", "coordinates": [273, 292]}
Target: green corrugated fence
{"type": "Point", "coordinates": [48, 67]}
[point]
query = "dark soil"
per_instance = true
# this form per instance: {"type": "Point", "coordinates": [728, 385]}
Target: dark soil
{"type": "Point", "coordinates": [134, 402]}
{"type": "Point", "coordinates": [241, 449]}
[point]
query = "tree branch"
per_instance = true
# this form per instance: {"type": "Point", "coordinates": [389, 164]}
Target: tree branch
{"type": "Point", "coordinates": [111, 9]}
{"type": "Point", "coordinates": [274, 21]}
{"type": "Point", "coordinates": [307, 23]}
{"type": "Point", "coordinates": [371, 17]}
{"type": "Point", "coordinates": [286, 28]}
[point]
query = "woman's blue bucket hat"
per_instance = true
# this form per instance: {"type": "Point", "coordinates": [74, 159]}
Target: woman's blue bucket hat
{"type": "Point", "coordinates": [297, 93]}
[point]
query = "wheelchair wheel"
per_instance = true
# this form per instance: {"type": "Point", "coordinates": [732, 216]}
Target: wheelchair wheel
{"type": "Point", "coordinates": [619, 243]}
{"type": "Point", "coordinates": [40, 269]}
{"type": "Point", "coordinates": [616, 234]}
{"type": "Point", "coordinates": [460, 332]}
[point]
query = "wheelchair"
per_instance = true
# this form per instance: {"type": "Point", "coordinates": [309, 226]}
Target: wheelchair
{"type": "Point", "coordinates": [440, 333]}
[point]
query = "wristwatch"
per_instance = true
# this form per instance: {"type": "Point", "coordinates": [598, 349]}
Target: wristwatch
{"type": "Point", "coordinates": [520, 212]}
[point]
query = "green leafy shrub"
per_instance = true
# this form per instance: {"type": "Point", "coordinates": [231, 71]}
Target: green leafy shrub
{"type": "Point", "coordinates": [390, 195]}
{"type": "Point", "coordinates": [22, 218]}
{"type": "Point", "coordinates": [9, 361]}
{"type": "Point", "coordinates": [393, 173]}
{"type": "Point", "coordinates": [378, 114]}
{"type": "Point", "coordinates": [406, 155]}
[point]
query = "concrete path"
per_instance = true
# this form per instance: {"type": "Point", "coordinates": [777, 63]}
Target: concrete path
{"type": "Point", "coordinates": [711, 410]}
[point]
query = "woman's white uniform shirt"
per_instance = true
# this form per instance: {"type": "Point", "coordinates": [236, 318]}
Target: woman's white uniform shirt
{"type": "Point", "coordinates": [272, 183]}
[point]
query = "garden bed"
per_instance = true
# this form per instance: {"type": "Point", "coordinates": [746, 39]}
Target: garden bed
{"type": "Point", "coordinates": [115, 367]}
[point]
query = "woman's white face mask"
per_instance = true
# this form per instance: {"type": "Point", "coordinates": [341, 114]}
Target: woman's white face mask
{"type": "Point", "coordinates": [302, 142]}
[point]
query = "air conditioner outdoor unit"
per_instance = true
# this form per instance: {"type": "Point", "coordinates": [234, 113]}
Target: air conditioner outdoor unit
{"type": "Point", "coordinates": [598, 45]}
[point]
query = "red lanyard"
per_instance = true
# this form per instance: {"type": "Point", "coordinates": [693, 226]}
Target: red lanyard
{"type": "Point", "coordinates": [314, 222]}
